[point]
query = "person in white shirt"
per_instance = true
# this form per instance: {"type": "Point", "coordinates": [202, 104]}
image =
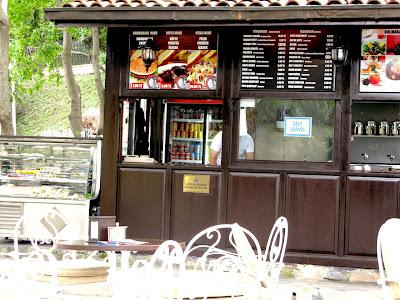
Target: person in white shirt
{"type": "Point", "coordinates": [246, 148]}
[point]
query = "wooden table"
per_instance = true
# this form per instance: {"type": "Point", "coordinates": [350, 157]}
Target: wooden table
{"type": "Point", "coordinates": [150, 246]}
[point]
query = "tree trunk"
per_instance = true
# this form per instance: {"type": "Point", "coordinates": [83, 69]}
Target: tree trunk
{"type": "Point", "coordinates": [5, 102]}
{"type": "Point", "coordinates": [75, 116]}
{"type": "Point", "coordinates": [97, 76]}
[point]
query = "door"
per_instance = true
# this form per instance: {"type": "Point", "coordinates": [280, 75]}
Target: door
{"type": "Point", "coordinates": [370, 201]}
{"type": "Point", "coordinates": [253, 202]}
{"type": "Point", "coordinates": [142, 202]}
{"type": "Point", "coordinates": [312, 210]}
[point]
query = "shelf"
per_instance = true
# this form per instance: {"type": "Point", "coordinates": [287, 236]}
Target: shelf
{"type": "Point", "coordinates": [186, 139]}
{"type": "Point", "coordinates": [189, 120]}
{"type": "Point", "coordinates": [186, 161]}
{"type": "Point", "coordinates": [26, 158]}
{"type": "Point", "coordinates": [216, 121]}
{"type": "Point", "coordinates": [53, 180]}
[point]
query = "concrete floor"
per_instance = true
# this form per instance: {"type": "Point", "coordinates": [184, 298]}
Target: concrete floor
{"type": "Point", "coordinates": [330, 290]}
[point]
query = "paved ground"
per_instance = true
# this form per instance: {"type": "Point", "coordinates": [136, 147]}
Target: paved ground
{"type": "Point", "coordinates": [330, 290]}
{"type": "Point", "coordinates": [333, 283]}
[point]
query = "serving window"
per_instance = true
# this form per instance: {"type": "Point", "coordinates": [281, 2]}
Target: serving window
{"type": "Point", "coordinates": [286, 130]}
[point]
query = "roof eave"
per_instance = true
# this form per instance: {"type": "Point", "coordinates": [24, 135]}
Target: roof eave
{"type": "Point", "coordinates": [107, 16]}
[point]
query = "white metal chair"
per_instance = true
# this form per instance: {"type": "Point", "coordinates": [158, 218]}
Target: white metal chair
{"type": "Point", "coordinates": [37, 268]}
{"type": "Point", "coordinates": [388, 253]}
{"type": "Point", "coordinates": [174, 273]}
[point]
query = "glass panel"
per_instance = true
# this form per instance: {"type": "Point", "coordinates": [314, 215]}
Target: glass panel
{"type": "Point", "coordinates": [185, 136]}
{"type": "Point", "coordinates": [192, 132]}
{"type": "Point", "coordinates": [268, 130]}
{"type": "Point", "coordinates": [49, 168]}
{"type": "Point", "coordinates": [141, 130]}
{"type": "Point", "coordinates": [214, 136]}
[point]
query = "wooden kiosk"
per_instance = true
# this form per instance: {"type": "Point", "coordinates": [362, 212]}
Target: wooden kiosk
{"type": "Point", "coordinates": [295, 76]}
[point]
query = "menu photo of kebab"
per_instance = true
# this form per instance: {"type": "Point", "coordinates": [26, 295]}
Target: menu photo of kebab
{"type": "Point", "coordinates": [172, 69]}
{"type": "Point", "coordinates": [202, 68]}
{"type": "Point", "coordinates": [140, 76]}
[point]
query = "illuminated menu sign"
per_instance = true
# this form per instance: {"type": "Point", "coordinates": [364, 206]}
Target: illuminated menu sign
{"type": "Point", "coordinates": [380, 61]}
{"type": "Point", "coordinates": [185, 59]}
{"type": "Point", "coordinates": [290, 59]}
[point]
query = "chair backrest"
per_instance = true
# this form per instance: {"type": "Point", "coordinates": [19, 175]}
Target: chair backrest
{"type": "Point", "coordinates": [241, 268]}
{"type": "Point", "coordinates": [50, 222]}
{"type": "Point", "coordinates": [388, 254]}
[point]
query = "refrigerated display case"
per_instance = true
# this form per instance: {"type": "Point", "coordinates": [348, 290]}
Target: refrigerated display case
{"type": "Point", "coordinates": [190, 126]}
{"type": "Point", "coordinates": [40, 174]}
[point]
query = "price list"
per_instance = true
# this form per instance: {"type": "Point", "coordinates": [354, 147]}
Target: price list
{"type": "Point", "coordinates": [292, 59]}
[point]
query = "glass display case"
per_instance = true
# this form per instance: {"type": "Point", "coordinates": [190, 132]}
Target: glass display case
{"type": "Point", "coordinates": [48, 173]}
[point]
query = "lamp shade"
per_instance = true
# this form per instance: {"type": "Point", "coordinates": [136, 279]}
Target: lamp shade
{"type": "Point", "coordinates": [339, 55]}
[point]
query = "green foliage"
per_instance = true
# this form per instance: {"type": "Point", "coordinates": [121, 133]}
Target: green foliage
{"type": "Point", "coordinates": [49, 107]}
{"type": "Point", "coordinates": [322, 111]}
{"type": "Point", "coordinates": [34, 45]}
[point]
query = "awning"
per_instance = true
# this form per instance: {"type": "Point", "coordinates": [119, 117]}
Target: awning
{"type": "Point", "coordinates": [217, 15]}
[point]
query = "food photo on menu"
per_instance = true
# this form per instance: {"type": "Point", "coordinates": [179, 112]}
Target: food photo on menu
{"type": "Point", "coordinates": [175, 69]}
{"type": "Point", "coordinates": [380, 61]}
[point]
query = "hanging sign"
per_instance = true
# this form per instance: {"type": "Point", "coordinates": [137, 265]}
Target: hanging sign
{"type": "Point", "coordinates": [380, 61]}
{"type": "Point", "coordinates": [185, 59]}
{"type": "Point", "coordinates": [196, 183]}
{"type": "Point", "coordinates": [298, 127]}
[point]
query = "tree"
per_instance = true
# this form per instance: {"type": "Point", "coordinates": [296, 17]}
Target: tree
{"type": "Point", "coordinates": [34, 45]}
{"type": "Point", "coordinates": [34, 54]}
{"type": "Point", "coordinates": [74, 91]}
{"type": "Point", "coordinates": [97, 75]}
{"type": "Point", "coordinates": [5, 103]}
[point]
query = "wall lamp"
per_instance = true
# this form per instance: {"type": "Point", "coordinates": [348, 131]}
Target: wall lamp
{"type": "Point", "coordinates": [149, 53]}
{"type": "Point", "coordinates": [339, 53]}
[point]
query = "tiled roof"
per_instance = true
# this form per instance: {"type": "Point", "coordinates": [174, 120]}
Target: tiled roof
{"type": "Point", "coordinates": [221, 3]}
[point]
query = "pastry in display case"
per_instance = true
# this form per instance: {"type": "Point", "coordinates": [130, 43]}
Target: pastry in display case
{"type": "Point", "coordinates": [39, 174]}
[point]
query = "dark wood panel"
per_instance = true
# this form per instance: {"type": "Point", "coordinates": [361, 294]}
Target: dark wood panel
{"type": "Point", "coordinates": [370, 201]}
{"type": "Point", "coordinates": [192, 212]}
{"type": "Point", "coordinates": [142, 202]}
{"type": "Point", "coordinates": [312, 208]}
{"type": "Point", "coordinates": [253, 202]}
{"type": "Point", "coordinates": [115, 42]}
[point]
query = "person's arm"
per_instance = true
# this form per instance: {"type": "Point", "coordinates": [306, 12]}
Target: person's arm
{"type": "Point", "coordinates": [213, 157]}
{"type": "Point", "coordinates": [215, 148]}
{"type": "Point", "coordinates": [250, 149]}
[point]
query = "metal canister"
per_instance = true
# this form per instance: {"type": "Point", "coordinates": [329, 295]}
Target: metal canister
{"type": "Point", "coordinates": [384, 128]}
{"type": "Point", "coordinates": [358, 128]}
{"type": "Point", "coordinates": [370, 128]}
{"type": "Point", "coordinates": [396, 128]}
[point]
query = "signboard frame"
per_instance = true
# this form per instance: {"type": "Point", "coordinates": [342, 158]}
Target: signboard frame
{"type": "Point", "coordinates": [282, 61]}
{"type": "Point", "coordinates": [377, 59]}
{"type": "Point", "coordinates": [174, 68]}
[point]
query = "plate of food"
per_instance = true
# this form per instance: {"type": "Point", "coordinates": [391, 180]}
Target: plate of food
{"type": "Point", "coordinates": [374, 47]}
{"type": "Point", "coordinates": [393, 69]}
{"type": "Point", "coordinates": [170, 72]}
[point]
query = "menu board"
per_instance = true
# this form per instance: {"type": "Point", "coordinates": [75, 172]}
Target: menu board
{"type": "Point", "coordinates": [287, 59]}
{"type": "Point", "coordinates": [380, 61]}
{"type": "Point", "coordinates": [185, 59]}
